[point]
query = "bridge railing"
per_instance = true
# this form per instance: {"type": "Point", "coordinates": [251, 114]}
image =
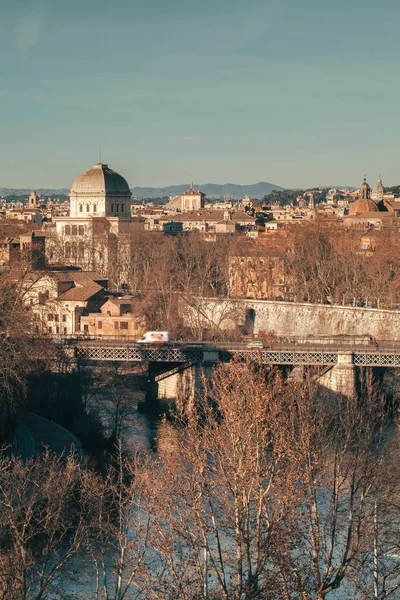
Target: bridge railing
{"type": "Point", "coordinates": [331, 344]}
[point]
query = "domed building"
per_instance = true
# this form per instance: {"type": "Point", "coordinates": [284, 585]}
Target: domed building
{"type": "Point", "coordinates": [98, 232]}
{"type": "Point", "coordinates": [364, 204]}
{"type": "Point", "coordinates": [100, 192]}
{"type": "Point", "coordinates": [366, 212]}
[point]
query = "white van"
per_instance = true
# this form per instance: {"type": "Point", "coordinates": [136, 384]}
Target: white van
{"type": "Point", "coordinates": [155, 337]}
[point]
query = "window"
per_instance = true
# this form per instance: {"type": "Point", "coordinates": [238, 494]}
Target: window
{"type": "Point", "coordinates": [117, 206]}
{"type": "Point", "coordinates": [81, 249]}
{"type": "Point", "coordinates": [67, 250]}
{"type": "Point", "coordinates": [112, 207]}
{"type": "Point", "coordinates": [81, 230]}
{"type": "Point", "coordinates": [99, 324]}
{"type": "Point", "coordinates": [64, 318]}
{"type": "Point", "coordinates": [43, 297]}
{"type": "Point", "coordinates": [65, 331]}
{"type": "Point", "coordinates": [116, 325]}
{"type": "Point", "coordinates": [56, 318]}
{"type": "Point", "coordinates": [86, 328]}
{"type": "Point", "coordinates": [67, 230]}
{"type": "Point", "coordinates": [94, 207]}
{"type": "Point", "coordinates": [74, 230]}
{"type": "Point", "coordinates": [124, 325]}
{"type": "Point", "coordinates": [50, 317]}
{"type": "Point", "coordinates": [122, 208]}
{"type": "Point", "coordinates": [57, 329]}
{"type": "Point", "coordinates": [50, 330]}
{"type": "Point", "coordinates": [87, 207]}
{"type": "Point", "coordinates": [80, 208]}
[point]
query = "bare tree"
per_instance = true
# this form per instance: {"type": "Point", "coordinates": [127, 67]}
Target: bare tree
{"type": "Point", "coordinates": [44, 524]}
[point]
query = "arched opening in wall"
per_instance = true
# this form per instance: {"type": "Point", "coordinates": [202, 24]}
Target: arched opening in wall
{"type": "Point", "coordinates": [249, 321]}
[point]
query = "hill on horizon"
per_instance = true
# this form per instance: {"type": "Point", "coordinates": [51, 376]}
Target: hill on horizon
{"type": "Point", "coordinates": [212, 190]}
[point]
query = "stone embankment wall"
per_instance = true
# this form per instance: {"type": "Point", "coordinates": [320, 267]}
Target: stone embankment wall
{"type": "Point", "coordinates": [288, 319]}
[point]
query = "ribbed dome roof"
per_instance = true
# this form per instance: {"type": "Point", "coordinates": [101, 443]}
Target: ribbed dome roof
{"type": "Point", "coordinates": [101, 179]}
{"type": "Point", "coordinates": [363, 205]}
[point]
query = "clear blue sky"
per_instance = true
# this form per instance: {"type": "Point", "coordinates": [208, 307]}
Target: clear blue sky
{"type": "Point", "coordinates": [295, 92]}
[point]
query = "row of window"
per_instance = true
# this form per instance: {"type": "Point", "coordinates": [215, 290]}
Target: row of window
{"type": "Point", "coordinates": [74, 230]}
{"type": "Point", "coordinates": [117, 325]}
{"type": "Point", "coordinates": [74, 250]}
{"type": "Point", "coordinates": [56, 318]}
{"type": "Point", "coordinates": [117, 207]}
{"type": "Point", "coordinates": [88, 208]}
{"type": "Point", "coordinates": [57, 330]}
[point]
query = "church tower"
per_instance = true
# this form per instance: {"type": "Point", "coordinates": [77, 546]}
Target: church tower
{"type": "Point", "coordinates": [365, 190]}
{"type": "Point", "coordinates": [378, 191]}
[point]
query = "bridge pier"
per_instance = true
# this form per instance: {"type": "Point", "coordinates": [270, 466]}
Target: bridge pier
{"type": "Point", "coordinates": [341, 378]}
{"type": "Point", "coordinates": [151, 398]}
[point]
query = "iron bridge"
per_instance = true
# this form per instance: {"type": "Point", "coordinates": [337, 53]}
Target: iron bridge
{"type": "Point", "coordinates": [206, 354]}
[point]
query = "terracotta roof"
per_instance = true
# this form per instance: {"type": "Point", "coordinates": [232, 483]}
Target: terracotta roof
{"type": "Point", "coordinates": [192, 192]}
{"type": "Point", "coordinates": [211, 216]}
{"type": "Point", "coordinates": [78, 277]}
{"type": "Point", "coordinates": [81, 293]}
{"type": "Point", "coordinates": [363, 205]}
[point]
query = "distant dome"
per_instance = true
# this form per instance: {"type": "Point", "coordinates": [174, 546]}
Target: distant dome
{"type": "Point", "coordinates": [363, 205]}
{"type": "Point", "coordinates": [100, 179]}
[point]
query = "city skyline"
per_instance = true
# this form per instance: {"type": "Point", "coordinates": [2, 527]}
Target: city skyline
{"type": "Point", "coordinates": [296, 94]}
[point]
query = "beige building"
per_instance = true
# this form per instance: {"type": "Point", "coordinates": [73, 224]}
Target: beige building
{"type": "Point", "coordinates": [29, 247]}
{"type": "Point", "coordinates": [190, 200]}
{"type": "Point", "coordinates": [27, 215]}
{"type": "Point", "coordinates": [99, 229]}
{"type": "Point", "coordinates": [59, 299]}
{"type": "Point", "coordinates": [218, 221]}
{"type": "Point", "coordinates": [116, 318]}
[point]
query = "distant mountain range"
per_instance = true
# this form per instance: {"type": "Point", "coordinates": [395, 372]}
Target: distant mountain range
{"type": "Point", "coordinates": [26, 191]}
{"type": "Point", "coordinates": [212, 190]}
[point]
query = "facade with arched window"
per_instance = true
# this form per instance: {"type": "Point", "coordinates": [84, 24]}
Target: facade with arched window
{"type": "Point", "coordinates": [99, 224]}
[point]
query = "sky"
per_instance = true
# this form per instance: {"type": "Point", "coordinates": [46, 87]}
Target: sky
{"type": "Point", "coordinates": [294, 92]}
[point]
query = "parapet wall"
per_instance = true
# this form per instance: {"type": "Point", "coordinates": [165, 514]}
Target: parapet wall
{"type": "Point", "coordinates": [299, 319]}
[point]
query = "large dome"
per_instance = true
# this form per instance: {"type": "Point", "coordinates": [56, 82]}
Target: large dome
{"type": "Point", "coordinates": [363, 205]}
{"type": "Point", "coordinates": [100, 179]}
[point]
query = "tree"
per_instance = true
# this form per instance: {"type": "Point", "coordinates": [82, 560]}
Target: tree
{"type": "Point", "coordinates": [222, 493]}
{"type": "Point", "coordinates": [21, 353]}
{"type": "Point", "coordinates": [44, 523]}
{"type": "Point", "coordinates": [268, 490]}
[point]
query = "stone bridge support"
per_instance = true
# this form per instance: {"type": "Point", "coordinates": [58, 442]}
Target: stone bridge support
{"type": "Point", "coordinates": [341, 378]}
{"type": "Point", "coordinates": [168, 381]}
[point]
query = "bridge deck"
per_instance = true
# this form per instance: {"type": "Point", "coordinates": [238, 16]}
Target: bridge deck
{"type": "Point", "coordinates": [387, 355]}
